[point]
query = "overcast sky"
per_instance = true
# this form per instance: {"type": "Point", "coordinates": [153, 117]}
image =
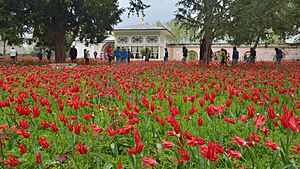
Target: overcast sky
{"type": "Point", "coordinates": [160, 10]}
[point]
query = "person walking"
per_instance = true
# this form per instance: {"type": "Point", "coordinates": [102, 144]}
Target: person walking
{"type": "Point", "coordinates": [73, 54]}
{"type": "Point", "coordinates": [86, 56]}
{"type": "Point", "coordinates": [95, 54]}
{"type": "Point", "coordinates": [252, 55]}
{"type": "Point", "coordinates": [119, 54]}
{"type": "Point", "coordinates": [48, 54]}
{"type": "Point", "coordinates": [40, 55]}
{"type": "Point", "coordinates": [235, 56]}
{"type": "Point", "coordinates": [279, 56]}
{"type": "Point", "coordinates": [109, 52]}
{"type": "Point", "coordinates": [166, 55]}
{"type": "Point", "coordinates": [184, 54]}
{"type": "Point", "coordinates": [13, 54]}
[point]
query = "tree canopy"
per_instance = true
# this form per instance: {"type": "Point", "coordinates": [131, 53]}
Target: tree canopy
{"type": "Point", "coordinates": [50, 21]}
{"type": "Point", "coordinates": [207, 18]}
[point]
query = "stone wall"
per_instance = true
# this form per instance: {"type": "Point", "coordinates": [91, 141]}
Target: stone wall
{"type": "Point", "coordinates": [264, 53]}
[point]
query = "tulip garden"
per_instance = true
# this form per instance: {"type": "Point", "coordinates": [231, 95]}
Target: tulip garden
{"type": "Point", "coordinates": [150, 115]}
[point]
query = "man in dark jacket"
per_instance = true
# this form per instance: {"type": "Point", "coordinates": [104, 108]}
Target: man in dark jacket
{"type": "Point", "coordinates": [73, 54]}
{"type": "Point", "coordinates": [185, 54]}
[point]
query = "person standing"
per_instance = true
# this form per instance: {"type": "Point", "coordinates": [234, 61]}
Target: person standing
{"type": "Point", "coordinates": [109, 53]}
{"type": "Point", "coordinates": [40, 55]}
{"type": "Point", "coordinates": [235, 56]}
{"type": "Point", "coordinates": [73, 54]}
{"type": "Point", "coordinates": [223, 57]}
{"type": "Point", "coordinates": [279, 56]}
{"type": "Point", "coordinates": [48, 54]}
{"type": "Point", "coordinates": [119, 54]}
{"type": "Point", "coordinates": [130, 55]}
{"type": "Point", "coordinates": [86, 56]}
{"type": "Point", "coordinates": [166, 55]}
{"type": "Point", "coordinates": [101, 56]}
{"type": "Point", "coordinates": [252, 55]}
{"type": "Point", "coordinates": [184, 53]}
{"type": "Point", "coordinates": [147, 58]}
{"type": "Point", "coordinates": [95, 55]}
{"type": "Point", "coordinates": [125, 55]}
{"type": "Point", "coordinates": [13, 54]}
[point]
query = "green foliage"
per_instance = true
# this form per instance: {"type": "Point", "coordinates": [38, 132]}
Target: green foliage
{"type": "Point", "coordinates": [11, 27]}
{"type": "Point", "coordinates": [182, 34]}
{"type": "Point", "coordinates": [143, 51]}
{"type": "Point", "coordinates": [255, 21]}
{"type": "Point", "coordinates": [192, 55]}
{"type": "Point", "coordinates": [53, 22]}
{"type": "Point", "coordinates": [204, 17]}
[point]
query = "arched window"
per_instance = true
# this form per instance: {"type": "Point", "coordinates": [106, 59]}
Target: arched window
{"type": "Point", "coordinates": [122, 40]}
{"type": "Point", "coordinates": [137, 39]}
{"type": "Point", "coordinates": [152, 39]}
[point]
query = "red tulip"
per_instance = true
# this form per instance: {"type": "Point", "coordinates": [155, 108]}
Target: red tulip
{"type": "Point", "coordinates": [200, 121]}
{"type": "Point", "coordinates": [62, 118]}
{"type": "Point", "coordinates": [12, 161]}
{"type": "Point", "coordinates": [24, 133]}
{"type": "Point", "coordinates": [77, 128]}
{"type": "Point", "coordinates": [265, 131]}
{"type": "Point", "coordinates": [239, 140]}
{"type": "Point", "coordinates": [251, 111]}
{"type": "Point", "coordinates": [296, 149]}
{"type": "Point", "coordinates": [201, 102]}
{"type": "Point", "coordinates": [271, 113]}
{"type": "Point", "coordinates": [167, 144]}
{"type": "Point", "coordinates": [229, 120]}
{"type": "Point", "coordinates": [209, 151]}
{"type": "Point", "coordinates": [193, 110]}
{"type": "Point", "coordinates": [184, 154]}
{"type": "Point", "coordinates": [38, 158]}
{"type": "Point", "coordinates": [260, 121]}
{"type": "Point", "coordinates": [171, 133]}
{"type": "Point", "coordinates": [110, 131]}
{"type": "Point", "coordinates": [149, 161]}
{"type": "Point", "coordinates": [272, 145]}
{"type": "Point", "coordinates": [24, 124]}
{"type": "Point", "coordinates": [119, 165]}
{"type": "Point", "coordinates": [243, 118]}
{"type": "Point", "coordinates": [254, 137]}
{"type": "Point", "coordinates": [234, 154]}
{"type": "Point", "coordinates": [43, 141]}
{"type": "Point", "coordinates": [82, 149]}
{"type": "Point", "coordinates": [23, 149]}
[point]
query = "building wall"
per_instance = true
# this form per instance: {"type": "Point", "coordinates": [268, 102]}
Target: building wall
{"type": "Point", "coordinates": [263, 53]}
{"type": "Point", "coordinates": [21, 49]}
{"type": "Point", "coordinates": [91, 48]}
{"type": "Point", "coordinates": [161, 44]}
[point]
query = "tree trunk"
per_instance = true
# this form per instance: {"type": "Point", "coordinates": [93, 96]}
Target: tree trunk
{"type": "Point", "coordinates": [205, 50]}
{"type": "Point", "coordinates": [202, 50]}
{"type": "Point", "coordinates": [256, 43]}
{"type": "Point", "coordinates": [60, 42]}
{"type": "Point", "coordinates": [4, 48]}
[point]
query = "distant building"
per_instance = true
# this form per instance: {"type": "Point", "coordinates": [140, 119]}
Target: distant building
{"type": "Point", "coordinates": [137, 37]}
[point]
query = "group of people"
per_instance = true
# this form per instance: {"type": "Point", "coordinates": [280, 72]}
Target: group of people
{"type": "Point", "coordinates": [224, 56]}
{"type": "Point", "coordinates": [48, 54]}
{"type": "Point", "coordinates": [124, 55]}
{"type": "Point", "coordinates": [86, 55]}
{"type": "Point", "coordinates": [121, 55]}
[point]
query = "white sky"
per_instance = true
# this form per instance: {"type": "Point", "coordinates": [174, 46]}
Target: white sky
{"type": "Point", "coordinates": [160, 10]}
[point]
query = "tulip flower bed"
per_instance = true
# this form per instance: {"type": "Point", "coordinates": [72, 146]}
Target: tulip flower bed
{"type": "Point", "coordinates": [143, 115]}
